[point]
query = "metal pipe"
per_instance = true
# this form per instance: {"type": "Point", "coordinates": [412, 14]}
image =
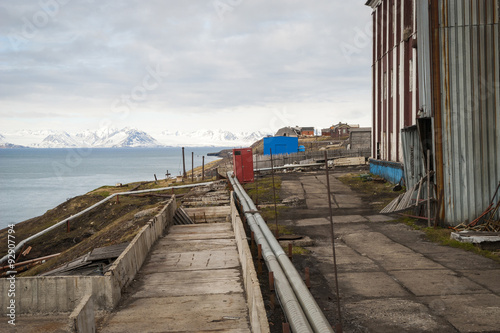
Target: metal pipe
{"type": "Point", "coordinates": [291, 306]}
{"type": "Point", "coordinates": [289, 166]}
{"type": "Point", "coordinates": [20, 245]}
{"type": "Point", "coordinates": [316, 318]}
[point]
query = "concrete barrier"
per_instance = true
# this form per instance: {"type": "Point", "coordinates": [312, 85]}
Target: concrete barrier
{"type": "Point", "coordinates": [61, 294]}
{"type": "Point", "coordinates": [126, 266]}
{"type": "Point", "coordinates": [82, 319]}
{"type": "Point", "coordinates": [256, 308]}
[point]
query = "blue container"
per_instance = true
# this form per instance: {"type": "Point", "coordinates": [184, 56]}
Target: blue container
{"type": "Point", "coordinates": [281, 145]}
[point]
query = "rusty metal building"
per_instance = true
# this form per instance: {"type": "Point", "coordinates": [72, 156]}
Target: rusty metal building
{"type": "Point", "coordinates": [452, 105]}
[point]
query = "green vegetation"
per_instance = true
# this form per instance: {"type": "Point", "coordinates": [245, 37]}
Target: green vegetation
{"type": "Point", "coordinates": [261, 191]}
{"type": "Point", "coordinates": [382, 192]}
{"type": "Point", "coordinates": [442, 237]}
{"type": "Point", "coordinates": [375, 190]}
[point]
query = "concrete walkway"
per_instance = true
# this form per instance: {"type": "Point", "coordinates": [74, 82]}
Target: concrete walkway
{"type": "Point", "coordinates": [190, 283]}
{"type": "Point", "coordinates": [391, 279]}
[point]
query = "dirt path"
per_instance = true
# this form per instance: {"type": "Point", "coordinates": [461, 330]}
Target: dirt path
{"type": "Point", "coordinates": [391, 279]}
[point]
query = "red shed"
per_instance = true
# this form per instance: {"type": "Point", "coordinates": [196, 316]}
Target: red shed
{"type": "Point", "coordinates": [243, 165]}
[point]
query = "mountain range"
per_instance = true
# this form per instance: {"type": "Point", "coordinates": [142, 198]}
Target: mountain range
{"type": "Point", "coordinates": [126, 137]}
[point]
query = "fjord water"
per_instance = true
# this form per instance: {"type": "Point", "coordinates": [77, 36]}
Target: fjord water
{"type": "Point", "coordinates": [33, 181]}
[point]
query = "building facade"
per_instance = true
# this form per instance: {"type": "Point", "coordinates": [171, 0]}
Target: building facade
{"type": "Point", "coordinates": [395, 88]}
{"type": "Point", "coordinates": [436, 99]}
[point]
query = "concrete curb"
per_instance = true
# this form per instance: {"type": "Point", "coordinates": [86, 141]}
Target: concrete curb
{"type": "Point", "coordinates": [256, 308]}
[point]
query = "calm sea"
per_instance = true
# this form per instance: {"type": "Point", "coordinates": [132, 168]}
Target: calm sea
{"type": "Point", "coordinates": [33, 181]}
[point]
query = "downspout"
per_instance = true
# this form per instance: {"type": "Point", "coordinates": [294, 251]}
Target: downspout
{"type": "Point", "coordinates": [436, 101]}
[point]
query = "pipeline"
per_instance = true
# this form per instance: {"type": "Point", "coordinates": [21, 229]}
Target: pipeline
{"type": "Point", "coordinates": [310, 308]}
{"type": "Point", "coordinates": [21, 244]}
{"type": "Point", "coordinates": [291, 306]}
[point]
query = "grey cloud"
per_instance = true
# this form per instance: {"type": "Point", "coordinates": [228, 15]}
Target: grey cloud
{"type": "Point", "coordinates": [260, 52]}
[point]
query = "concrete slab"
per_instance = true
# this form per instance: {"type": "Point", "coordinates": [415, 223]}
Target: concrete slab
{"type": "Point", "coordinates": [201, 231]}
{"type": "Point", "coordinates": [368, 284]}
{"type": "Point", "coordinates": [166, 244]}
{"type": "Point", "coordinates": [395, 315]}
{"type": "Point", "coordinates": [468, 313]}
{"type": "Point", "coordinates": [290, 188]}
{"type": "Point", "coordinates": [167, 262]}
{"type": "Point", "coordinates": [489, 279]}
{"type": "Point", "coordinates": [374, 244]}
{"type": "Point", "coordinates": [379, 218]}
{"type": "Point", "coordinates": [462, 260]}
{"type": "Point", "coordinates": [404, 261]}
{"type": "Point", "coordinates": [190, 283]}
{"type": "Point", "coordinates": [437, 283]}
{"type": "Point", "coordinates": [43, 323]}
{"type": "Point", "coordinates": [313, 222]}
{"type": "Point", "coordinates": [202, 313]}
{"type": "Point", "coordinates": [392, 279]}
{"type": "Point", "coordinates": [347, 259]}
{"type": "Point", "coordinates": [349, 219]}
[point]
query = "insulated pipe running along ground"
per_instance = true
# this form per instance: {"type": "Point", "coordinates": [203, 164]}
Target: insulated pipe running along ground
{"type": "Point", "coordinates": [21, 244]}
{"type": "Point", "coordinates": [291, 306]}
{"type": "Point", "coordinates": [313, 312]}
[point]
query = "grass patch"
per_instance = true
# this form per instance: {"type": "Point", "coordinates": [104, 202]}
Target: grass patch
{"type": "Point", "coordinates": [442, 236]}
{"type": "Point", "coordinates": [297, 250]}
{"type": "Point", "coordinates": [380, 194]}
{"type": "Point", "coordinates": [261, 191]}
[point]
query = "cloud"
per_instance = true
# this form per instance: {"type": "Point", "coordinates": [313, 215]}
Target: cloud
{"type": "Point", "coordinates": [87, 55]}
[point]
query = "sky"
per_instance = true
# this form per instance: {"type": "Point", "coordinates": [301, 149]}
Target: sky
{"type": "Point", "coordinates": [237, 65]}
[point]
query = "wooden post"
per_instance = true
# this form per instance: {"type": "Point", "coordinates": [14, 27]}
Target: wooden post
{"type": "Point", "coordinates": [203, 168]}
{"type": "Point", "coordinates": [192, 167]}
{"type": "Point", "coordinates": [183, 164]}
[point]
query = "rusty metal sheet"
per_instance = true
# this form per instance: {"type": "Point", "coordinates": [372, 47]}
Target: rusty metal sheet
{"type": "Point", "coordinates": [470, 94]}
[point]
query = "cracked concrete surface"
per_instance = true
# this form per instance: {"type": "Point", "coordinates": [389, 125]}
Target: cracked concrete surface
{"type": "Point", "coordinates": [390, 278]}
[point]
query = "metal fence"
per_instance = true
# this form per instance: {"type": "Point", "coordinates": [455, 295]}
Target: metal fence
{"type": "Point", "coordinates": [264, 161]}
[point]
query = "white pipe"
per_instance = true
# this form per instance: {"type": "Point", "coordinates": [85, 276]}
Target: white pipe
{"type": "Point", "coordinates": [291, 306]}
{"type": "Point", "coordinates": [313, 312]}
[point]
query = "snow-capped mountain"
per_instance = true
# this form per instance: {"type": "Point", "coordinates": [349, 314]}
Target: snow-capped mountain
{"type": "Point", "coordinates": [127, 137]}
{"type": "Point", "coordinates": [112, 138]}
{"type": "Point", "coordinates": [207, 137]}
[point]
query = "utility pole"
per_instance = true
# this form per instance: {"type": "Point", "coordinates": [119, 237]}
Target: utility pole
{"type": "Point", "coordinates": [183, 164]}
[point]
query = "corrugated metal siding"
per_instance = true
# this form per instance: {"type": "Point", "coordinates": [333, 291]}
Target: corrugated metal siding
{"type": "Point", "coordinates": [470, 105]}
{"type": "Point", "coordinates": [414, 167]}
{"type": "Point", "coordinates": [424, 60]}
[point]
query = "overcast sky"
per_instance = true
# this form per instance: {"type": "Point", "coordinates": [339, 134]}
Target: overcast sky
{"type": "Point", "coordinates": [239, 65]}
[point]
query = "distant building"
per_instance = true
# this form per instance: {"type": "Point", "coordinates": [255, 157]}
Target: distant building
{"type": "Point", "coordinates": [281, 145]}
{"type": "Point", "coordinates": [307, 131]}
{"type": "Point", "coordinates": [326, 132]}
{"type": "Point", "coordinates": [289, 131]}
{"type": "Point", "coordinates": [360, 138]}
{"type": "Point", "coordinates": [340, 131]}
